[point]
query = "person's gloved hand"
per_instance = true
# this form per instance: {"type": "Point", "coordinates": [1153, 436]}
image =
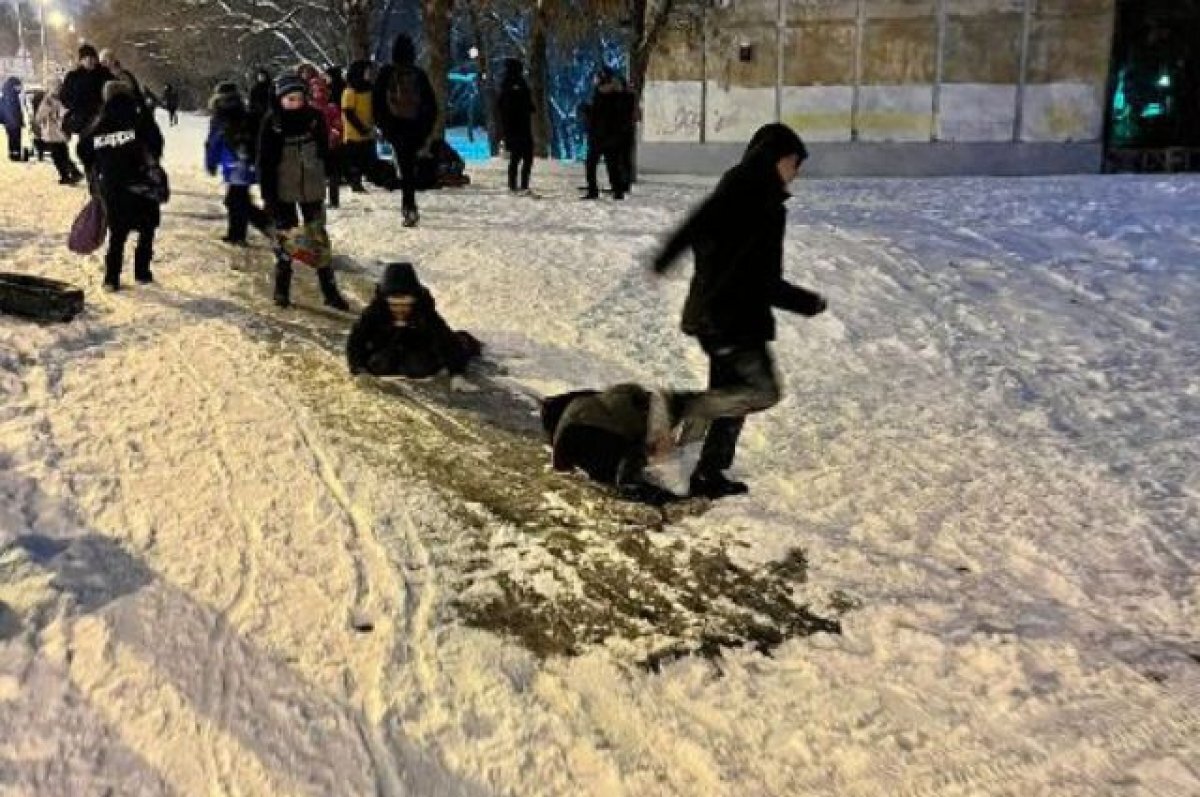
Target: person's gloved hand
{"type": "Point", "coordinates": [817, 306]}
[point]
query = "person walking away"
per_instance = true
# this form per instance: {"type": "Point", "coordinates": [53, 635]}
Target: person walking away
{"type": "Point", "coordinates": [83, 95]}
{"type": "Point", "coordinates": [12, 116]}
{"type": "Point", "coordinates": [293, 151]}
{"type": "Point", "coordinates": [332, 113]}
{"type": "Point", "coordinates": [516, 124]}
{"type": "Point", "coordinates": [231, 147]}
{"type": "Point", "coordinates": [50, 116]}
{"type": "Point", "coordinates": [358, 125]}
{"type": "Point", "coordinates": [124, 144]}
{"type": "Point", "coordinates": [605, 134]}
{"type": "Point", "coordinates": [401, 332]}
{"type": "Point", "coordinates": [170, 101]}
{"type": "Point", "coordinates": [737, 237]}
{"type": "Point", "coordinates": [405, 111]}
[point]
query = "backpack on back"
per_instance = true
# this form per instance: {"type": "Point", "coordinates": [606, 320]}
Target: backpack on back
{"type": "Point", "coordinates": [404, 94]}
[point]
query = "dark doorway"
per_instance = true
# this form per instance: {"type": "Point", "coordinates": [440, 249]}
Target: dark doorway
{"type": "Point", "coordinates": [1153, 115]}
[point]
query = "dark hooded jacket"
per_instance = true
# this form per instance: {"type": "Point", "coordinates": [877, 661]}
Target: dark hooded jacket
{"type": "Point", "coordinates": [11, 113]}
{"type": "Point", "coordinates": [123, 144]}
{"type": "Point", "coordinates": [402, 99]}
{"type": "Point", "coordinates": [262, 94]}
{"type": "Point", "coordinates": [516, 107]}
{"type": "Point", "coordinates": [421, 348]}
{"type": "Point", "coordinates": [293, 156]}
{"type": "Point", "coordinates": [83, 94]}
{"type": "Point", "coordinates": [737, 237]}
{"type": "Point", "coordinates": [610, 115]}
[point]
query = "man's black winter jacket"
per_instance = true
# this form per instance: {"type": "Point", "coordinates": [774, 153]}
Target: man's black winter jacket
{"type": "Point", "coordinates": [737, 236]}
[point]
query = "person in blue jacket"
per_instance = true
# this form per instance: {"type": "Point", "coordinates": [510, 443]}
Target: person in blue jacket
{"type": "Point", "coordinates": [12, 116]}
{"type": "Point", "coordinates": [231, 147]}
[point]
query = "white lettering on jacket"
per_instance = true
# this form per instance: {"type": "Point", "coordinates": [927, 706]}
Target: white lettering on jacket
{"type": "Point", "coordinates": [117, 139]}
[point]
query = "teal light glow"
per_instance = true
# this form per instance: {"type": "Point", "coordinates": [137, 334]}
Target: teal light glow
{"type": "Point", "coordinates": [1152, 110]}
{"type": "Point", "coordinates": [1165, 81]}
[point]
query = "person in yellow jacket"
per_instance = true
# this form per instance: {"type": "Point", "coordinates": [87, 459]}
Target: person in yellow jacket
{"type": "Point", "coordinates": [359, 122]}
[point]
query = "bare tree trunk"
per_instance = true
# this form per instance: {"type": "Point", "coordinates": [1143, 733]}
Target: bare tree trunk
{"type": "Point", "coordinates": [358, 28]}
{"type": "Point", "coordinates": [538, 80]}
{"type": "Point", "coordinates": [436, 21]}
{"type": "Point", "coordinates": [649, 19]}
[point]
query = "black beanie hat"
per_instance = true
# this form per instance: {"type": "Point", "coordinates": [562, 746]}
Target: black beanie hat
{"type": "Point", "coordinates": [85, 50]}
{"type": "Point", "coordinates": [404, 52]}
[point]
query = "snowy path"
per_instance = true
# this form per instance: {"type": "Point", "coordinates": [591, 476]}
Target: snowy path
{"type": "Point", "coordinates": [226, 569]}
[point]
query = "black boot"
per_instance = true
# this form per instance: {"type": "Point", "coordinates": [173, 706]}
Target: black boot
{"type": "Point", "coordinates": [283, 283]}
{"type": "Point", "coordinates": [141, 266]}
{"type": "Point", "coordinates": [329, 290]}
{"type": "Point", "coordinates": [715, 484]}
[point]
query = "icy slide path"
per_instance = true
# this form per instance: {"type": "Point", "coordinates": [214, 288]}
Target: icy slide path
{"type": "Point", "coordinates": [990, 453]}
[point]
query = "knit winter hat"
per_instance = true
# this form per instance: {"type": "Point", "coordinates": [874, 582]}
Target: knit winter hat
{"type": "Point", "coordinates": [290, 83]}
{"type": "Point", "coordinates": [88, 50]}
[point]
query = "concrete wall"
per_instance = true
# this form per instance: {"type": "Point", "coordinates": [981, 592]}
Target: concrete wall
{"type": "Point", "coordinates": [885, 72]}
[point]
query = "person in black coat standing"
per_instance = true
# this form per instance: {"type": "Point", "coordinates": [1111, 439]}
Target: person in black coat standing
{"type": "Point", "coordinates": [737, 237]}
{"type": "Point", "coordinates": [609, 117]}
{"type": "Point", "coordinates": [262, 94]}
{"type": "Point", "coordinates": [83, 95]}
{"type": "Point", "coordinates": [516, 123]}
{"type": "Point", "coordinates": [122, 146]}
{"type": "Point", "coordinates": [170, 102]}
{"type": "Point", "coordinates": [405, 112]}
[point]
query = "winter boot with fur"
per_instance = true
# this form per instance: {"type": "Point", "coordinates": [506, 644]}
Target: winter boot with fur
{"type": "Point", "coordinates": [283, 283]}
{"type": "Point", "coordinates": [329, 290]}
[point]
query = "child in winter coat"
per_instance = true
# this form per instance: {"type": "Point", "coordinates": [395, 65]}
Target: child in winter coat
{"type": "Point", "coordinates": [737, 236]}
{"type": "Point", "coordinates": [293, 157]}
{"type": "Point", "coordinates": [358, 125]}
{"type": "Point", "coordinates": [401, 333]}
{"type": "Point", "coordinates": [231, 147]}
{"type": "Point", "coordinates": [321, 100]}
{"type": "Point", "coordinates": [611, 435]}
{"type": "Point", "coordinates": [50, 115]}
{"type": "Point", "coordinates": [122, 147]}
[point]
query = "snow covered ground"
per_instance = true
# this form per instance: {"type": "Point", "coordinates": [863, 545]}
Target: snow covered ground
{"type": "Point", "coordinates": [228, 569]}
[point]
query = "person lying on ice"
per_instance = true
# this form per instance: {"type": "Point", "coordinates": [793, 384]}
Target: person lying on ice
{"type": "Point", "coordinates": [611, 435]}
{"type": "Point", "coordinates": [401, 333]}
{"type": "Point", "coordinates": [737, 237]}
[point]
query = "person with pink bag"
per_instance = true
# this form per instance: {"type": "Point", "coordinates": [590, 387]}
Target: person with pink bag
{"type": "Point", "coordinates": [125, 148]}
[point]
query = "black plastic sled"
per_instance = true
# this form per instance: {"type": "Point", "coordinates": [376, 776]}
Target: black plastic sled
{"type": "Point", "coordinates": [39, 298]}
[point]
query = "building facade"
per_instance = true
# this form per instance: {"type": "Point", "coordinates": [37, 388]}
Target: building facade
{"type": "Point", "coordinates": [884, 87]}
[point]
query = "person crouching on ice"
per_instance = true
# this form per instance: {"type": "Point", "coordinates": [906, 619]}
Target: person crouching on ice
{"type": "Point", "coordinates": [401, 333]}
{"type": "Point", "coordinates": [737, 237]}
{"type": "Point", "coordinates": [612, 435]}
